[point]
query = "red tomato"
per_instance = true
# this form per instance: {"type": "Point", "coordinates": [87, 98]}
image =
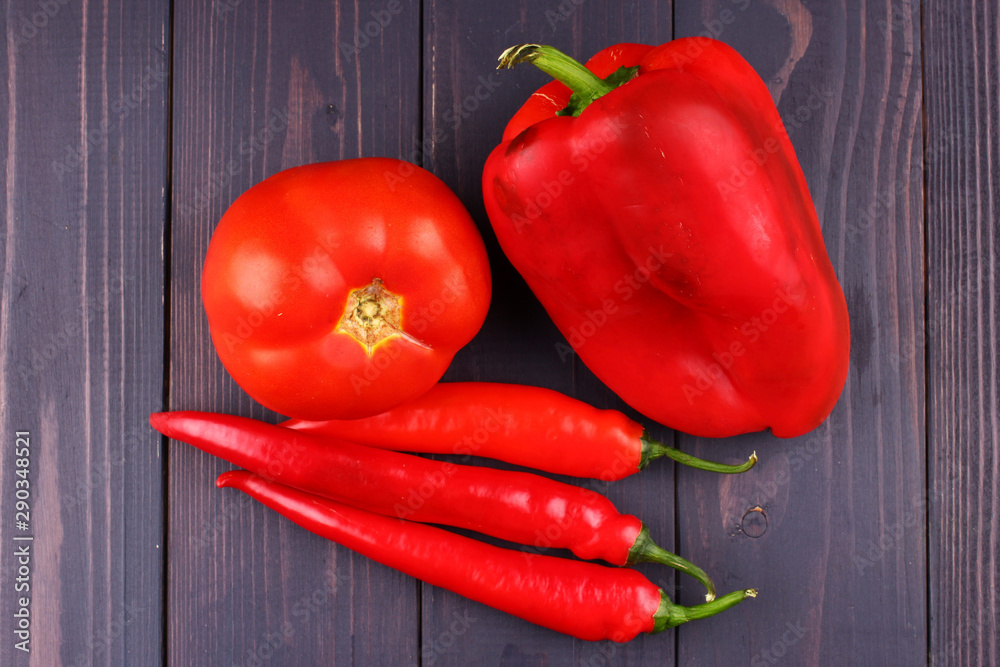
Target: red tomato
{"type": "Point", "coordinates": [341, 289]}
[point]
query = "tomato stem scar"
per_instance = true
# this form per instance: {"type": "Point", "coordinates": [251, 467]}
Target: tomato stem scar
{"type": "Point", "coordinates": [373, 314]}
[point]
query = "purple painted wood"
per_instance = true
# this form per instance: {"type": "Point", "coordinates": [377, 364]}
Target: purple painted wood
{"type": "Point", "coordinates": [467, 104]}
{"type": "Point", "coordinates": [962, 62]}
{"type": "Point", "coordinates": [84, 106]}
{"type": "Point", "coordinates": [831, 526]}
{"type": "Point", "coordinates": [128, 131]}
{"type": "Point", "coordinates": [259, 87]}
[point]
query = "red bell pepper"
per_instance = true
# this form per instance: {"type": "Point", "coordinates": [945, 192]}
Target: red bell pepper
{"type": "Point", "coordinates": [655, 206]}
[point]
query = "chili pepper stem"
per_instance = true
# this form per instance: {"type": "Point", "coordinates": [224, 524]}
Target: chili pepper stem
{"type": "Point", "coordinates": [670, 615]}
{"type": "Point", "coordinates": [644, 550]}
{"type": "Point", "coordinates": [654, 449]}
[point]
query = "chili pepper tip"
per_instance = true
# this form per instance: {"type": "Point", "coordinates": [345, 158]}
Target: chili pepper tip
{"type": "Point", "coordinates": [227, 479]}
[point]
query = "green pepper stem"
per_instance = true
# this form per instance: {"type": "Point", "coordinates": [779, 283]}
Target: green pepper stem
{"type": "Point", "coordinates": [644, 550]}
{"type": "Point", "coordinates": [586, 85]}
{"type": "Point", "coordinates": [670, 615]}
{"type": "Point", "coordinates": [654, 449]}
{"type": "Point", "coordinates": [559, 66]}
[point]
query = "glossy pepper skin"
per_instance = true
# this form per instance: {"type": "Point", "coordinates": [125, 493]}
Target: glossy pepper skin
{"type": "Point", "coordinates": [669, 232]}
{"type": "Point", "coordinates": [515, 506]}
{"type": "Point", "coordinates": [584, 600]}
{"type": "Point", "coordinates": [529, 426]}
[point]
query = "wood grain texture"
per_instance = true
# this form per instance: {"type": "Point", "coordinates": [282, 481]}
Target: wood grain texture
{"type": "Point", "coordinates": [84, 105]}
{"type": "Point", "coordinates": [467, 103]}
{"type": "Point", "coordinates": [837, 546]}
{"type": "Point", "coordinates": [873, 540]}
{"type": "Point", "coordinates": [259, 87]}
{"type": "Point", "coordinates": [962, 78]}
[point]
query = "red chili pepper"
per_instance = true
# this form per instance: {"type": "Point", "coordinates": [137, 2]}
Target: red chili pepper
{"type": "Point", "coordinates": [514, 506]}
{"type": "Point", "coordinates": [662, 219]}
{"type": "Point", "coordinates": [585, 600]}
{"type": "Point", "coordinates": [528, 426]}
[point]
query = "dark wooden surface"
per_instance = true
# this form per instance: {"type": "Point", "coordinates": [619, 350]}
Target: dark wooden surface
{"type": "Point", "coordinates": [84, 143]}
{"type": "Point", "coordinates": [962, 176]}
{"type": "Point", "coordinates": [130, 127]}
{"type": "Point", "coordinates": [255, 91]}
{"type": "Point", "coordinates": [830, 547]}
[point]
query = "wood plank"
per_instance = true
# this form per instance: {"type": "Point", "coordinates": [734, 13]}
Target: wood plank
{"type": "Point", "coordinates": [84, 104]}
{"type": "Point", "coordinates": [838, 551]}
{"type": "Point", "coordinates": [518, 343]}
{"type": "Point", "coordinates": [259, 87]}
{"type": "Point", "coordinates": [962, 70]}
